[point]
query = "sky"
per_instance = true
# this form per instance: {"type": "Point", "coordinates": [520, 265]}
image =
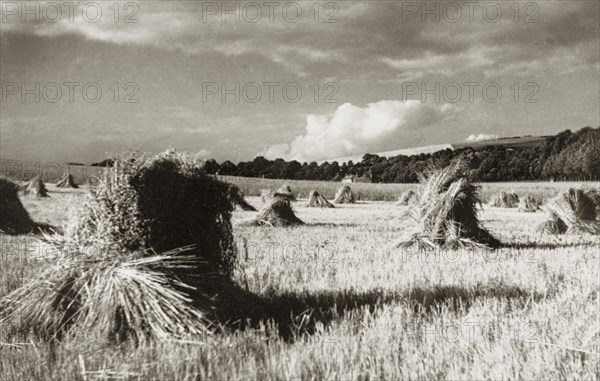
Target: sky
{"type": "Point", "coordinates": [297, 80]}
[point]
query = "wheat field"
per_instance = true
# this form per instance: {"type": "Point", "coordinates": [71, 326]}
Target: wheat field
{"type": "Point", "coordinates": [333, 300]}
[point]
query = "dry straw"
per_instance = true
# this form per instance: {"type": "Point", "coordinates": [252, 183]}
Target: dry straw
{"type": "Point", "coordinates": [164, 202]}
{"type": "Point", "coordinates": [265, 195]}
{"type": "Point", "coordinates": [405, 197]}
{"type": "Point", "coordinates": [67, 181]}
{"type": "Point", "coordinates": [14, 219]}
{"type": "Point", "coordinates": [114, 296]}
{"type": "Point", "coordinates": [285, 189]}
{"type": "Point", "coordinates": [110, 282]}
{"type": "Point", "coordinates": [237, 198]}
{"type": "Point", "coordinates": [505, 200]}
{"type": "Point", "coordinates": [594, 195]}
{"type": "Point", "coordinates": [571, 212]}
{"type": "Point", "coordinates": [36, 188]}
{"type": "Point", "coordinates": [316, 200]}
{"type": "Point", "coordinates": [277, 212]}
{"type": "Point", "coordinates": [528, 204]}
{"type": "Point", "coordinates": [344, 195]}
{"type": "Point", "coordinates": [445, 213]}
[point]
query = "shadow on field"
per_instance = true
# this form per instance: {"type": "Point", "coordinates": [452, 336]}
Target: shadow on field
{"type": "Point", "coordinates": [296, 314]}
{"type": "Point", "coordinates": [35, 228]}
{"type": "Point", "coordinates": [459, 298]}
{"type": "Point", "coordinates": [330, 225]}
{"type": "Point", "coordinates": [309, 225]}
{"type": "Point", "coordinates": [40, 227]}
{"type": "Point", "coordinates": [548, 246]}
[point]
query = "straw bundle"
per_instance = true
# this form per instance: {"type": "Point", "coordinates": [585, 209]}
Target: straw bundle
{"type": "Point", "coordinates": [277, 212]}
{"type": "Point", "coordinates": [405, 197]}
{"type": "Point", "coordinates": [316, 200]}
{"type": "Point", "coordinates": [36, 188]}
{"type": "Point", "coordinates": [14, 219]}
{"type": "Point", "coordinates": [266, 195]}
{"type": "Point", "coordinates": [344, 195]}
{"type": "Point", "coordinates": [237, 198]}
{"type": "Point", "coordinates": [445, 213]}
{"type": "Point", "coordinates": [594, 195]}
{"type": "Point", "coordinates": [528, 204]}
{"type": "Point", "coordinates": [110, 281]}
{"type": "Point", "coordinates": [504, 200]}
{"type": "Point", "coordinates": [163, 203]}
{"type": "Point", "coordinates": [552, 225]}
{"type": "Point", "coordinates": [571, 212]}
{"type": "Point", "coordinates": [66, 181]}
{"type": "Point", "coordinates": [116, 297]}
{"type": "Point", "coordinates": [284, 189]}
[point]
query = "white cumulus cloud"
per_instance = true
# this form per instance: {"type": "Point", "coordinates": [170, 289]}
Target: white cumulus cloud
{"type": "Point", "coordinates": [357, 130]}
{"type": "Point", "coordinates": [481, 137]}
{"type": "Point", "coordinates": [203, 154]}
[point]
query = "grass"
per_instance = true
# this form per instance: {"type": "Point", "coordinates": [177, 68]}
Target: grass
{"type": "Point", "coordinates": [332, 300]}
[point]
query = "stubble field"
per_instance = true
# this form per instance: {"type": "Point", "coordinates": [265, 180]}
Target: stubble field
{"type": "Point", "coordinates": [334, 300]}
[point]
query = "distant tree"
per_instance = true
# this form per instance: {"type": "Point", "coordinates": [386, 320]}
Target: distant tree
{"type": "Point", "coordinates": [567, 155]}
{"type": "Point", "coordinates": [260, 166]}
{"type": "Point", "coordinates": [312, 172]}
{"type": "Point", "coordinates": [228, 168]}
{"type": "Point", "coordinates": [211, 166]}
{"type": "Point", "coordinates": [332, 170]}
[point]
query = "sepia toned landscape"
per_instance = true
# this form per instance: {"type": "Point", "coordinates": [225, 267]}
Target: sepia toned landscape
{"type": "Point", "coordinates": [299, 190]}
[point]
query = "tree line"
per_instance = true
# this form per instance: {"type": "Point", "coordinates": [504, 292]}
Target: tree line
{"type": "Point", "coordinates": [564, 156]}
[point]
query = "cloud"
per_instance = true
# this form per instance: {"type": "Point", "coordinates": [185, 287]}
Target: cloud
{"type": "Point", "coordinates": [365, 36]}
{"type": "Point", "coordinates": [172, 50]}
{"type": "Point", "coordinates": [481, 137]}
{"type": "Point", "coordinates": [386, 124]}
{"type": "Point", "coordinates": [182, 26]}
{"type": "Point", "coordinates": [445, 64]}
{"type": "Point", "coordinates": [203, 154]}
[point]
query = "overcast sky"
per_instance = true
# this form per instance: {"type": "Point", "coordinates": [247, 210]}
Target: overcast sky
{"type": "Point", "coordinates": [367, 59]}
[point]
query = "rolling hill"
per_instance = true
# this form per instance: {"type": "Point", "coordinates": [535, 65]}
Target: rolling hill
{"type": "Point", "coordinates": [515, 141]}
